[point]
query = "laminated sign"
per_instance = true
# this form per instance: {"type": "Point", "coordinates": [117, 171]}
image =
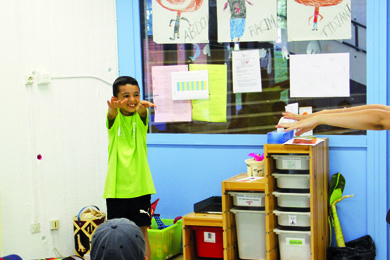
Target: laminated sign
{"type": "Point", "coordinates": [85, 224]}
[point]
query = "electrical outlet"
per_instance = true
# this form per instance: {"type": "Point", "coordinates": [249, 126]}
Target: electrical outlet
{"type": "Point", "coordinates": [43, 78]}
{"type": "Point", "coordinates": [54, 224]}
{"type": "Point", "coordinates": [35, 227]}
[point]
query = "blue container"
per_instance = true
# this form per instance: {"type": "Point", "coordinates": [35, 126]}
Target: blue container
{"type": "Point", "coordinates": [279, 138]}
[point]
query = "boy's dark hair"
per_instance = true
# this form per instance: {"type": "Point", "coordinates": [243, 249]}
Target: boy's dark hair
{"type": "Point", "coordinates": [121, 81]}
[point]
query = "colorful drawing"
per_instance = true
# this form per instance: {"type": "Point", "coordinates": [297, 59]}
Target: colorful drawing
{"type": "Point", "coordinates": [237, 18]}
{"type": "Point", "coordinates": [317, 4]}
{"type": "Point", "coordinates": [179, 6]}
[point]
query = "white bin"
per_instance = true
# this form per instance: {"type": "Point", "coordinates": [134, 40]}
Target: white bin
{"type": "Point", "coordinates": [292, 181]}
{"type": "Point", "coordinates": [248, 199]}
{"type": "Point", "coordinates": [250, 233]}
{"type": "Point", "coordinates": [294, 245]}
{"type": "Point", "coordinates": [292, 162]}
{"type": "Point", "coordinates": [292, 200]}
{"type": "Point", "coordinates": [293, 219]}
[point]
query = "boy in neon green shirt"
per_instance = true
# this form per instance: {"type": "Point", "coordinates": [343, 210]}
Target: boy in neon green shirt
{"type": "Point", "coordinates": [129, 183]}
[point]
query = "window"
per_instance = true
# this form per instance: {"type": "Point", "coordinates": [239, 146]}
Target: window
{"type": "Point", "coordinates": [257, 113]}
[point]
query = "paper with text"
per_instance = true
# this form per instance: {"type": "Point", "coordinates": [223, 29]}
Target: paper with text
{"type": "Point", "coordinates": [246, 71]}
{"type": "Point", "coordinates": [168, 110]}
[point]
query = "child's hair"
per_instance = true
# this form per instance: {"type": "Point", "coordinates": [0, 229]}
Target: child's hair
{"type": "Point", "coordinates": [121, 81]}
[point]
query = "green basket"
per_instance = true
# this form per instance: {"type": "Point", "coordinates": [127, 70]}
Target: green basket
{"type": "Point", "coordinates": [165, 243]}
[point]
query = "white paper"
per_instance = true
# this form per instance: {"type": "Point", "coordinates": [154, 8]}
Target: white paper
{"type": "Point", "coordinates": [190, 85]}
{"type": "Point", "coordinates": [246, 71]}
{"type": "Point", "coordinates": [319, 75]}
{"type": "Point", "coordinates": [292, 108]}
{"type": "Point", "coordinates": [209, 237]}
{"type": "Point", "coordinates": [250, 179]}
{"type": "Point", "coordinates": [306, 110]}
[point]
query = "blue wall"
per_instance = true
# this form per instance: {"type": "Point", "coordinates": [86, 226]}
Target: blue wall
{"type": "Point", "coordinates": [188, 168]}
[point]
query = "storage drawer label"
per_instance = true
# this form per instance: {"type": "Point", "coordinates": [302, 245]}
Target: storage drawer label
{"type": "Point", "coordinates": [292, 220]}
{"type": "Point", "coordinates": [292, 163]}
{"type": "Point", "coordinates": [295, 241]}
{"type": "Point", "coordinates": [250, 200]}
{"type": "Point", "coordinates": [209, 237]}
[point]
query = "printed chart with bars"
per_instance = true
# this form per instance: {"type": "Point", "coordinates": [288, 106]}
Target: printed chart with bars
{"type": "Point", "coordinates": [190, 85]}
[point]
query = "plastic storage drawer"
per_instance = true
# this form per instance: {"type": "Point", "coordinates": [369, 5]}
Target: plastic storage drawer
{"type": "Point", "coordinates": [292, 200]}
{"type": "Point", "coordinates": [294, 244]}
{"type": "Point", "coordinates": [292, 181]}
{"type": "Point", "coordinates": [292, 162]}
{"type": "Point", "coordinates": [251, 233]}
{"type": "Point", "coordinates": [293, 218]}
{"type": "Point", "coordinates": [209, 241]}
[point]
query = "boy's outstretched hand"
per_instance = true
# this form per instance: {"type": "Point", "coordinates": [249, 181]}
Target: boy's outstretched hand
{"type": "Point", "coordinates": [146, 104]}
{"type": "Point", "coordinates": [115, 103]}
{"type": "Point", "coordinates": [142, 107]}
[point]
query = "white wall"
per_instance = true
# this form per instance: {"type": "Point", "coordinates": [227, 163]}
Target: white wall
{"type": "Point", "coordinates": [64, 120]}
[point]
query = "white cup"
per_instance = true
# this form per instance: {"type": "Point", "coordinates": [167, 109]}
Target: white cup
{"type": "Point", "coordinates": [254, 168]}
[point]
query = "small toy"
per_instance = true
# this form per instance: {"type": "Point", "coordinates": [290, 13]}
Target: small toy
{"type": "Point", "coordinates": [159, 222]}
{"type": "Point", "coordinates": [176, 219]}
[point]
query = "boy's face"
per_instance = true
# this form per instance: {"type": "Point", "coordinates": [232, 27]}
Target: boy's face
{"type": "Point", "coordinates": [131, 93]}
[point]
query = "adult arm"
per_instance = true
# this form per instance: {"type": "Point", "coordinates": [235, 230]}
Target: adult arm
{"type": "Point", "coordinates": [366, 119]}
{"type": "Point", "coordinates": [290, 115]}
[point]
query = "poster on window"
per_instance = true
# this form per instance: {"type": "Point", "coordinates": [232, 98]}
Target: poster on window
{"type": "Point", "coordinates": [247, 20]}
{"type": "Point", "coordinates": [320, 75]}
{"type": "Point", "coordinates": [318, 20]}
{"type": "Point", "coordinates": [180, 21]}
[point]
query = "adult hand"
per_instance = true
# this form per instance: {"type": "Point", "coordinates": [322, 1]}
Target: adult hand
{"type": "Point", "coordinates": [289, 115]}
{"type": "Point", "coordinates": [302, 126]}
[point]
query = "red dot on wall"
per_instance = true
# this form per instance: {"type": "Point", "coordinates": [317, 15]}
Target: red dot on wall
{"type": "Point", "coordinates": [39, 157]}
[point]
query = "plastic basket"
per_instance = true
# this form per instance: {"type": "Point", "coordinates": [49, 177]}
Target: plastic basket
{"type": "Point", "coordinates": [165, 243]}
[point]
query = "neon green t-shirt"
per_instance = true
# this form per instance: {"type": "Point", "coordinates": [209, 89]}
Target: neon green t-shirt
{"type": "Point", "coordinates": [128, 174]}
